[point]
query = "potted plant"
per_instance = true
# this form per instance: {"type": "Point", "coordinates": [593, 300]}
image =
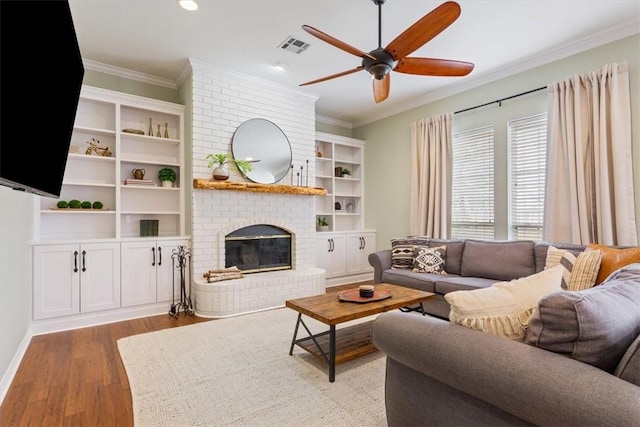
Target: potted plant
{"type": "Point", "coordinates": [322, 224]}
{"type": "Point", "coordinates": [167, 177]}
{"type": "Point", "coordinates": [220, 171]}
{"type": "Point", "coordinates": [346, 173]}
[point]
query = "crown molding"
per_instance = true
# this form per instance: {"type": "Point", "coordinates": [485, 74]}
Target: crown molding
{"type": "Point", "coordinates": [128, 74]}
{"type": "Point", "coordinates": [334, 122]}
{"type": "Point", "coordinates": [593, 41]}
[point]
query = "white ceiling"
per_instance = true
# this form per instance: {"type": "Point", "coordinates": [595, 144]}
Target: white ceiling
{"type": "Point", "coordinates": [156, 37]}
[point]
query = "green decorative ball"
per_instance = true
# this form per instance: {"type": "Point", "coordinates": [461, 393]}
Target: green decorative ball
{"type": "Point", "coordinates": [86, 205]}
{"type": "Point", "coordinates": [75, 204]}
{"type": "Point", "coordinates": [97, 205]}
{"type": "Point", "coordinates": [62, 204]}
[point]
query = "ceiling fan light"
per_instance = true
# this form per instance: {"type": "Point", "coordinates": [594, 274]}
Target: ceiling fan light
{"type": "Point", "coordinates": [379, 71]}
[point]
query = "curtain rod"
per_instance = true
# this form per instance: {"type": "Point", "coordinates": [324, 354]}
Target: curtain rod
{"type": "Point", "coordinates": [499, 101]}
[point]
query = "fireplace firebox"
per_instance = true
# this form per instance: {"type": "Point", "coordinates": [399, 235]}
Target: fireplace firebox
{"type": "Point", "coordinates": [258, 248]}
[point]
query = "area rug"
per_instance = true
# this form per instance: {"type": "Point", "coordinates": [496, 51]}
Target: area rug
{"type": "Point", "coordinates": [238, 372]}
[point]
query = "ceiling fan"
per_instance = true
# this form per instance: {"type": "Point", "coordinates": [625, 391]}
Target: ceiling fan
{"type": "Point", "coordinates": [381, 61]}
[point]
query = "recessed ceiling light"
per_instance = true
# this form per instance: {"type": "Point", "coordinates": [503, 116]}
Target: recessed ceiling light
{"type": "Point", "coordinates": [190, 5]}
{"type": "Point", "coordinates": [280, 66]}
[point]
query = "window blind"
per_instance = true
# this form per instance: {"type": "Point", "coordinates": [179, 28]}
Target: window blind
{"type": "Point", "coordinates": [472, 198]}
{"type": "Point", "coordinates": [527, 158]}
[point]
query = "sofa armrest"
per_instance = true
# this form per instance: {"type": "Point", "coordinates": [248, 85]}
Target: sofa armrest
{"type": "Point", "coordinates": [535, 385]}
{"type": "Point", "coordinates": [380, 261]}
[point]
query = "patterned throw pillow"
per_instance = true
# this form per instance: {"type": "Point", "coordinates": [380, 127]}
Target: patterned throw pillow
{"type": "Point", "coordinates": [429, 260]}
{"type": "Point", "coordinates": [580, 272]}
{"type": "Point", "coordinates": [402, 251]}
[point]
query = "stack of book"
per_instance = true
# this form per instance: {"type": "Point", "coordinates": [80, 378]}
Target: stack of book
{"type": "Point", "coordinates": [131, 181]}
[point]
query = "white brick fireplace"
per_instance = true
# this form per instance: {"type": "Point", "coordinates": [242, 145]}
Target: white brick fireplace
{"type": "Point", "coordinates": [222, 100]}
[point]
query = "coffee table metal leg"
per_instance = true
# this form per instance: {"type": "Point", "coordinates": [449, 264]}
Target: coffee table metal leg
{"type": "Point", "coordinates": [295, 334]}
{"type": "Point", "coordinates": [332, 353]}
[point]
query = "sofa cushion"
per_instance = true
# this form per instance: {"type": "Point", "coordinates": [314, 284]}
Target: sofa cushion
{"type": "Point", "coordinates": [579, 272]}
{"type": "Point", "coordinates": [613, 259]}
{"type": "Point", "coordinates": [402, 251]}
{"type": "Point", "coordinates": [454, 253]}
{"type": "Point", "coordinates": [451, 283]}
{"type": "Point", "coordinates": [629, 367]}
{"type": "Point", "coordinates": [498, 260]}
{"type": "Point", "coordinates": [429, 260]}
{"type": "Point", "coordinates": [421, 281]}
{"type": "Point", "coordinates": [542, 248]}
{"type": "Point", "coordinates": [503, 309]}
{"type": "Point", "coordinates": [594, 326]}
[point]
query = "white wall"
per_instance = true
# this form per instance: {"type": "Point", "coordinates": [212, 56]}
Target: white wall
{"type": "Point", "coordinates": [16, 225]}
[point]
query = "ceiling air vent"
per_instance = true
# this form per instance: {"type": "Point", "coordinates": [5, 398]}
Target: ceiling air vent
{"type": "Point", "coordinates": [294, 45]}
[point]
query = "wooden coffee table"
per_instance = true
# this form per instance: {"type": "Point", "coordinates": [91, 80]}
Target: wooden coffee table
{"type": "Point", "coordinates": [351, 341]}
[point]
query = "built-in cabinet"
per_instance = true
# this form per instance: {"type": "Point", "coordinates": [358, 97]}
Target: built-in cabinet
{"type": "Point", "coordinates": [149, 271]}
{"type": "Point", "coordinates": [102, 258]}
{"type": "Point", "coordinates": [343, 249]}
{"type": "Point", "coordinates": [75, 278]}
{"type": "Point", "coordinates": [344, 256]}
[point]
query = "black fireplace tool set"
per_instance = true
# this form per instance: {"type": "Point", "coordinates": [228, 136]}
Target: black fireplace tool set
{"type": "Point", "coordinates": [179, 262]}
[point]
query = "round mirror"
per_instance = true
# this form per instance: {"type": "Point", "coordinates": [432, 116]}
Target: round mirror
{"type": "Point", "coordinates": [264, 142]}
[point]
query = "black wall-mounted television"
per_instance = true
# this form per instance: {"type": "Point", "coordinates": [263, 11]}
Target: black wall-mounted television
{"type": "Point", "coordinates": [41, 76]}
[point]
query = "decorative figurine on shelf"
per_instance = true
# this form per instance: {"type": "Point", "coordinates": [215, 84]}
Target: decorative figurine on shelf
{"type": "Point", "coordinates": [93, 148]}
{"type": "Point", "coordinates": [150, 127]}
{"type": "Point", "coordinates": [159, 135]}
{"type": "Point", "coordinates": [166, 130]}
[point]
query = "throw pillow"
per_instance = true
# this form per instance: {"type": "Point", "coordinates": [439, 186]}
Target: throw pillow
{"type": "Point", "coordinates": [579, 272]}
{"type": "Point", "coordinates": [503, 309]}
{"type": "Point", "coordinates": [613, 259]}
{"type": "Point", "coordinates": [429, 260]}
{"type": "Point", "coordinates": [402, 251]}
{"type": "Point", "coordinates": [595, 326]}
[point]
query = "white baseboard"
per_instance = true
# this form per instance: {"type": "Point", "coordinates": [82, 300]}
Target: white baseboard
{"type": "Point", "coordinates": [344, 280]}
{"type": "Point", "coordinates": [11, 371]}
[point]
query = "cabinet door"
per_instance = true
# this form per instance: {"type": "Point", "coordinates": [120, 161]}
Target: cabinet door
{"type": "Point", "coordinates": [337, 256]}
{"type": "Point", "coordinates": [323, 245]}
{"type": "Point", "coordinates": [99, 276]}
{"type": "Point", "coordinates": [359, 246]}
{"type": "Point", "coordinates": [56, 281]}
{"type": "Point", "coordinates": [168, 272]}
{"type": "Point", "coordinates": [138, 262]}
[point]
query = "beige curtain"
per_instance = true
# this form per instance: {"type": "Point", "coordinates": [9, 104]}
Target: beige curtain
{"type": "Point", "coordinates": [431, 176]}
{"type": "Point", "coordinates": [589, 190]}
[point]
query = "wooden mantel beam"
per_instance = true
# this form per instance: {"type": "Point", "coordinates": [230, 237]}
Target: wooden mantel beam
{"type": "Point", "coordinates": [205, 184]}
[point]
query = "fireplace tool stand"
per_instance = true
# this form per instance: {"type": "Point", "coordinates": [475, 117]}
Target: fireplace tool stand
{"type": "Point", "coordinates": [179, 262]}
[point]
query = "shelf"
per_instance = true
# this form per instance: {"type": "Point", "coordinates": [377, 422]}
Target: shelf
{"type": "Point", "coordinates": [204, 184]}
{"type": "Point", "coordinates": [149, 138]}
{"type": "Point", "coordinates": [90, 158]}
{"type": "Point", "coordinates": [94, 131]}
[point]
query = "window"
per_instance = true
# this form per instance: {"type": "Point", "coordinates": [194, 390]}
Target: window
{"type": "Point", "coordinates": [527, 158]}
{"type": "Point", "coordinates": [472, 198]}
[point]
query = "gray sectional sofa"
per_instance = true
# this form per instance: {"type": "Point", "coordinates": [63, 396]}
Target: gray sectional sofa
{"type": "Point", "coordinates": [579, 364]}
{"type": "Point", "coordinates": [470, 264]}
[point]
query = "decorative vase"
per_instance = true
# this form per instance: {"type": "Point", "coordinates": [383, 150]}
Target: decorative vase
{"type": "Point", "coordinates": [167, 184]}
{"type": "Point", "coordinates": [221, 173]}
{"type": "Point", "coordinates": [322, 228]}
{"type": "Point", "coordinates": [150, 127]}
{"type": "Point", "coordinates": [166, 130]}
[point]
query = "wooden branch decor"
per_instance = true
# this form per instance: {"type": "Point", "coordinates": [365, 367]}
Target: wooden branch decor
{"type": "Point", "coordinates": [205, 184]}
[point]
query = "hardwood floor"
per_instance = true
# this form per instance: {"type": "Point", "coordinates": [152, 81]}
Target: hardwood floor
{"type": "Point", "coordinates": [76, 378]}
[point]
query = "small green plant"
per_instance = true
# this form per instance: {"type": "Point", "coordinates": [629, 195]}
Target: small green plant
{"type": "Point", "coordinates": [346, 171]}
{"type": "Point", "coordinates": [222, 159]}
{"type": "Point", "coordinates": [167, 174]}
{"type": "Point", "coordinates": [62, 204]}
{"type": "Point", "coordinates": [85, 205]}
{"type": "Point", "coordinates": [75, 204]}
{"type": "Point", "coordinates": [97, 205]}
{"type": "Point", "coordinates": [322, 222]}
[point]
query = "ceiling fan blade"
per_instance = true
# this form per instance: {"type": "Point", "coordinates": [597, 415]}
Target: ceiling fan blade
{"type": "Point", "coordinates": [337, 43]}
{"type": "Point", "coordinates": [381, 88]}
{"type": "Point", "coordinates": [433, 67]}
{"type": "Point", "coordinates": [333, 76]}
{"type": "Point", "coordinates": [424, 30]}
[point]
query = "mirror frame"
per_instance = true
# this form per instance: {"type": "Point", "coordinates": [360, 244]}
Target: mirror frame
{"type": "Point", "coordinates": [266, 143]}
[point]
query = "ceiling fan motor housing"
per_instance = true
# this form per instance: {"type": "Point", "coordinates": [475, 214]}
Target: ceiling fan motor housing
{"type": "Point", "coordinates": [382, 66]}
